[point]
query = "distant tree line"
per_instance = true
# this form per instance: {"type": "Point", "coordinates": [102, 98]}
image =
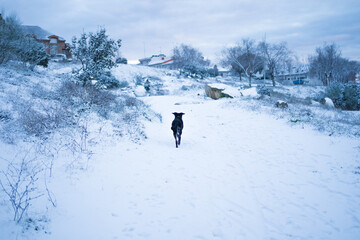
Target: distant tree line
{"type": "Point", "coordinates": [245, 58]}
{"type": "Point", "coordinates": [249, 57]}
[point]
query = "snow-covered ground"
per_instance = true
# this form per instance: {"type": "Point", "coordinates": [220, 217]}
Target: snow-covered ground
{"type": "Point", "coordinates": [238, 174]}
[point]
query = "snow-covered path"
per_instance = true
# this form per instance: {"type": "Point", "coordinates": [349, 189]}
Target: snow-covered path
{"type": "Point", "coordinates": [236, 175]}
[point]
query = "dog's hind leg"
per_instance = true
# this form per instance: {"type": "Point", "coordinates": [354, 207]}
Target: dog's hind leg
{"type": "Point", "coordinates": [176, 142]}
{"type": "Point", "coordinates": [178, 134]}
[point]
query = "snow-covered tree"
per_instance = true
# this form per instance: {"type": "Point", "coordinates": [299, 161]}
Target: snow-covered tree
{"type": "Point", "coordinates": [274, 55]}
{"type": "Point", "coordinates": [11, 34]}
{"type": "Point", "coordinates": [244, 58]}
{"type": "Point", "coordinates": [328, 65]}
{"type": "Point", "coordinates": [32, 52]}
{"type": "Point", "coordinates": [96, 53]}
{"type": "Point", "coordinates": [14, 45]}
{"type": "Point", "coordinates": [186, 55]}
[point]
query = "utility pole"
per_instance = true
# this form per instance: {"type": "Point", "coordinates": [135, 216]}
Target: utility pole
{"type": "Point", "coordinates": [264, 58]}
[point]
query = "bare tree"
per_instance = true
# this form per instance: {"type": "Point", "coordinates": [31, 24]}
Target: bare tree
{"type": "Point", "coordinates": [186, 55]}
{"type": "Point", "coordinates": [328, 65]}
{"type": "Point", "coordinates": [231, 58]}
{"type": "Point", "coordinates": [274, 55]}
{"type": "Point", "coordinates": [244, 58]}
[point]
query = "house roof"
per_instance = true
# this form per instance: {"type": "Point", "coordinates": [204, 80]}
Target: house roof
{"type": "Point", "coordinates": [160, 60]}
{"type": "Point", "coordinates": [38, 32]}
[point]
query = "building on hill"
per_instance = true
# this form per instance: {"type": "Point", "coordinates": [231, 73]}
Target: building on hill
{"type": "Point", "coordinates": [158, 61]}
{"type": "Point", "coordinates": [300, 72]}
{"type": "Point", "coordinates": [144, 61]}
{"type": "Point", "coordinates": [54, 44]}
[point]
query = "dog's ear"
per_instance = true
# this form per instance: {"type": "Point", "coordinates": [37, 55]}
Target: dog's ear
{"type": "Point", "coordinates": [178, 114]}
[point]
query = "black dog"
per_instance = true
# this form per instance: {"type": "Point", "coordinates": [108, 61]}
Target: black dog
{"type": "Point", "coordinates": [177, 127]}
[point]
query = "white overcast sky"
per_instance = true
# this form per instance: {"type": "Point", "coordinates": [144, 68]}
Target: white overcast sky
{"type": "Point", "coordinates": [156, 26]}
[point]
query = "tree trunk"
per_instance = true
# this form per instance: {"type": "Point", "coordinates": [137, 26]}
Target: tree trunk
{"type": "Point", "coordinates": [273, 79]}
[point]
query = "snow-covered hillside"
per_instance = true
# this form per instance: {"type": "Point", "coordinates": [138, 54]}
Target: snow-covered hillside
{"type": "Point", "coordinates": [244, 170]}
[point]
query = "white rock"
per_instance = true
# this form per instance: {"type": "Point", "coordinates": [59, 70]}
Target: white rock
{"type": "Point", "coordinates": [140, 91]}
{"type": "Point", "coordinates": [329, 103]}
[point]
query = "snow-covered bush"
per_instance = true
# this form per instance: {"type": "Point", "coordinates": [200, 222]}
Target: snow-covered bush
{"type": "Point", "coordinates": [191, 87]}
{"type": "Point", "coordinates": [96, 53]}
{"type": "Point", "coordinates": [264, 90]}
{"type": "Point", "coordinates": [44, 120]}
{"type": "Point", "coordinates": [345, 96]}
{"type": "Point", "coordinates": [106, 80]}
{"type": "Point", "coordinates": [194, 71]}
{"type": "Point", "coordinates": [39, 91]}
{"type": "Point", "coordinates": [132, 101]}
{"type": "Point", "coordinates": [123, 84]}
{"type": "Point", "coordinates": [83, 98]}
{"type": "Point", "coordinates": [139, 80]}
{"type": "Point", "coordinates": [320, 97]}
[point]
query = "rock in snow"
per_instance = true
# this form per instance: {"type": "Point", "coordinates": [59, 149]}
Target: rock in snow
{"type": "Point", "coordinates": [329, 103]}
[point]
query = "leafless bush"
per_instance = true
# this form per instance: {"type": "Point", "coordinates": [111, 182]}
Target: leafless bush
{"type": "Point", "coordinates": [45, 121]}
{"type": "Point", "coordinates": [76, 94]}
{"type": "Point", "coordinates": [132, 101]}
{"type": "Point", "coordinates": [134, 128]}
{"type": "Point", "coordinates": [33, 121]}
{"type": "Point", "coordinates": [40, 92]}
{"type": "Point", "coordinates": [81, 143]}
{"type": "Point", "coordinates": [119, 106]}
{"type": "Point", "coordinates": [87, 98]}
{"type": "Point", "coordinates": [123, 84]}
{"type": "Point", "coordinates": [139, 80]}
{"type": "Point", "coordinates": [20, 185]}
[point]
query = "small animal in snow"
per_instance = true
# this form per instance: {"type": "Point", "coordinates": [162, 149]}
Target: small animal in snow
{"type": "Point", "coordinates": [177, 127]}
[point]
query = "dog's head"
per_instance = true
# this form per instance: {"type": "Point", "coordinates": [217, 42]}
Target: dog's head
{"type": "Point", "coordinates": [178, 115]}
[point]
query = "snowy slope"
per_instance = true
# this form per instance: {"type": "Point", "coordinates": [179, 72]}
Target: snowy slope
{"type": "Point", "coordinates": [238, 174]}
